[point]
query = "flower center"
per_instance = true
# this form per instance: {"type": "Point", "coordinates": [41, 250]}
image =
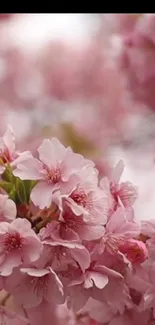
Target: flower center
{"type": "Point", "coordinates": [53, 176]}
{"type": "Point", "coordinates": [79, 197]}
{"type": "Point", "coordinates": [39, 285]}
{"type": "Point", "coordinates": [113, 243]}
{"type": "Point", "coordinates": [12, 242]}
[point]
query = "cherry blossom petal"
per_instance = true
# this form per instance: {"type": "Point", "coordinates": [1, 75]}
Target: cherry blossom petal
{"type": "Point", "coordinates": [42, 195]}
{"type": "Point", "coordinates": [51, 152]}
{"type": "Point", "coordinates": [9, 139]}
{"type": "Point", "coordinates": [100, 280]}
{"type": "Point", "coordinates": [29, 169]}
{"type": "Point", "coordinates": [81, 256]}
{"type": "Point", "coordinates": [117, 172]}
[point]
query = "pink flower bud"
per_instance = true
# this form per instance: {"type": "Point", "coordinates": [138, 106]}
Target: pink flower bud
{"type": "Point", "coordinates": [135, 250]}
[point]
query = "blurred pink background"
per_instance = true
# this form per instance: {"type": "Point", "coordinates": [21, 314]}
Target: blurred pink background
{"type": "Point", "coordinates": [60, 75]}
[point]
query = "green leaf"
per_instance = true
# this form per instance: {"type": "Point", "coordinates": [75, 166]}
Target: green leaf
{"type": "Point", "coordinates": [12, 194]}
{"type": "Point", "coordinates": [23, 190]}
{"type": "Point", "coordinates": [7, 186]}
{"type": "Point", "coordinates": [17, 189]}
{"type": "Point", "coordinates": [28, 188]}
{"type": "Point", "coordinates": [20, 191]}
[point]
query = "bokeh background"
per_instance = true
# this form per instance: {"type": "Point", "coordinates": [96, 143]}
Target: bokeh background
{"type": "Point", "coordinates": [88, 79]}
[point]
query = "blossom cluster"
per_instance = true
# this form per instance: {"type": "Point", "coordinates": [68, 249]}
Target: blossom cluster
{"type": "Point", "coordinates": [70, 244]}
{"type": "Point", "coordinates": [75, 92]}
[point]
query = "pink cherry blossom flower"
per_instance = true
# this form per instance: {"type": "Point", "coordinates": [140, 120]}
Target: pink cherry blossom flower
{"type": "Point", "coordinates": [114, 261]}
{"type": "Point", "coordinates": [7, 146]}
{"type": "Point", "coordinates": [121, 226]}
{"type": "Point", "coordinates": [8, 209]}
{"type": "Point", "coordinates": [134, 250]}
{"type": "Point", "coordinates": [64, 252]}
{"type": "Point", "coordinates": [19, 244]}
{"type": "Point", "coordinates": [116, 294]}
{"type": "Point", "coordinates": [8, 154]}
{"type": "Point", "coordinates": [55, 170]}
{"type": "Point", "coordinates": [122, 194]}
{"type": "Point", "coordinates": [90, 284]}
{"type": "Point", "coordinates": [33, 285]}
{"type": "Point", "coordinates": [74, 228]}
{"type": "Point", "coordinates": [87, 198]}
